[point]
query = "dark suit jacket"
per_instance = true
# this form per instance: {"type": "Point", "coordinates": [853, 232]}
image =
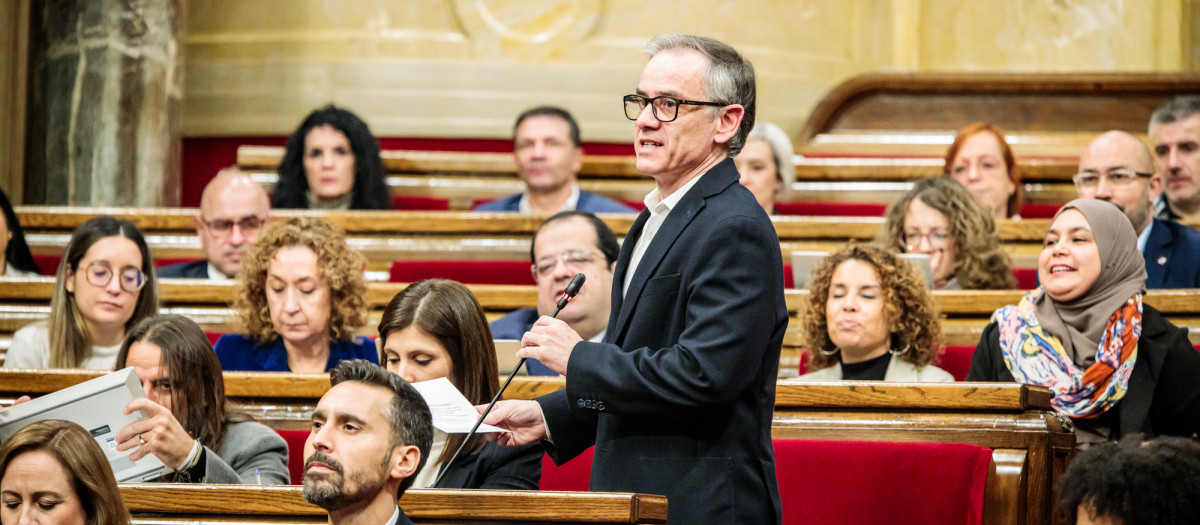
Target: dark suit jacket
{"type": "Point", "coordinates": [495, 467]}
{"type": "Point", "coordinates": [513, 326]}
{"type": "Point", "coordinates": [679, 399]}
{"type": "Point", "coordinates": [1164, 392]}
{"type": "Point", "coordinates": [1172, 256]}
{"type": "Point", "coordinates": [589, 202]}
{"type": "Point", "coordinates": [185, 270]}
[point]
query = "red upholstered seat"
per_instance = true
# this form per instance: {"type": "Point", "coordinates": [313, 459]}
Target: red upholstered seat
{"type": "Point", "coordinates": [47, 264]}
{"type": "Point", "coordinates": [831, 209]}
{"type": "Point", "coordinates": [212, 337]}
{"type": "Point", "coordinates": [957, 361]}
{"type": "Point", "coordinates": [466, 272]}
{"type": "Point", "coordinates": [1026, 278]}
{"type": "Point", "coordinates": [414, 203]}
{"type": "Point", "coordinates": [295, 441]}
{"type": "Point", "coordinates": [159, 263]}
{"type": "Point", "coordinates": [864, 482]}
{"type": "Point", "coordinates": [1039, 211]}
{"type": "Point", "coordinates": [572, 476]}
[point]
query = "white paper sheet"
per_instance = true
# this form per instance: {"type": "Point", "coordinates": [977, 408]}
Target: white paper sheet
{"type": "Point", "coordinates": [452, 413]}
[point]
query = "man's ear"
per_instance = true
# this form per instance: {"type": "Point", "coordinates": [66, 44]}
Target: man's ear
{"type": "Point", "coordinates": [1155, 187]}
{"type": "Point", "coordinates": [729, 123]}
{"type": "Point", "coordinates": [404, 461]}
{"type": "Point", "coordinates": [576, 161]}
{"type": "Point", "coordinates": [199, 223]}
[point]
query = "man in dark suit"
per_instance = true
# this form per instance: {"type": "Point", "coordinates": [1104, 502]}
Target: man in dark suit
{"type": "Point", "coordinates": [548, 155]}
{"type": "Point", "coordinates": [371, 433]}
{"type": "Point", "coordinates": [233, 208]}
{"type": "Point", "coordinates": [567, 243]}
{"type": "Point", "coordinates": [1117, 167]}
{"type": "Point", "coordinates": [679, 398]}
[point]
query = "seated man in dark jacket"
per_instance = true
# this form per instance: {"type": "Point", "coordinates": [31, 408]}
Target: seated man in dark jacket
{"type": "Point", "coordinates": [568, 243]}
{"type": "Point", "coordinates": [233, 209]}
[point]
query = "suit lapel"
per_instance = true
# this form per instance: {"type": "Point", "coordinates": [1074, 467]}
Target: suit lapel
{"type": "Point", "coordinates": [1158, 254]}
{"type": "Point", "coordinates": [712, 182]}
{"type": "Point", "coordinates": [618, 289]}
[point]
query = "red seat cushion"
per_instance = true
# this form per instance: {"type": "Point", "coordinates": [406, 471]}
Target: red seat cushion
{"type": "Point", "coordinates": [295, 441]}
{"type": "Point", "coordinates": [864, 482]}
{"type": "Point", "coordinates": [212, 337]}
{"type": "Point", "coordinates": [1039, 211]}
{"type": "Point", "coordinates": [414, 203]}
{"type": "Point", "coordinates": [571, 476]}
{"type": "Point", "coordinates": [831, 209]}
{"type": "Point", "coordinates": [1026, 278]}
{"type": "Point", "coordinates": [466, 272]}
{"type": "Point", "coordinates": [957, 361]}
{"type": "Point", "coordinates": [47, 264]}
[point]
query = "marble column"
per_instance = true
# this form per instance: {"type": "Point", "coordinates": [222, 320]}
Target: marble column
{"type": "Point", "coordinates": [104, 103]}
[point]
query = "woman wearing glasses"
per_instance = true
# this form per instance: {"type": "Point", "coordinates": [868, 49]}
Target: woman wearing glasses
{"type": "Point", "coordinates": [105, 285]}
{"type": "Point", "coordinates": [938, 217]}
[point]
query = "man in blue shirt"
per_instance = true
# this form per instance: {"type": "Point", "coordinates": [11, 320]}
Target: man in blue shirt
{"type": "Point", "coordinates": [548, 155]}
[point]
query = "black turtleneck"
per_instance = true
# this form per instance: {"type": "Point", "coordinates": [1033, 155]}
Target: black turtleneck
{"type": "Point", "coordinates": [870, 370]}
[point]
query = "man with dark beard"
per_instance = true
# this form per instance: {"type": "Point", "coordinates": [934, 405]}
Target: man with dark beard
{"type": "Point", "coordinates": [371, 432]}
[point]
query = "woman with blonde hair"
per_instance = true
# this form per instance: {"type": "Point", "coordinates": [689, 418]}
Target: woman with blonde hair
{"type": "Point", "coordinates": [53, 471]}
{"type": "Point", "coordinates": [939, 218]}
{"type": "Point", "coordinates": [869, 317]}
{"type": "Point", "coordinates": [302, 299]}
{"type": "Point", "coordinates": [105, 285]}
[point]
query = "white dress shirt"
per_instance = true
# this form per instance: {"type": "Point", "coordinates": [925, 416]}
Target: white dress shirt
{"type": "Point", "coordinates": [659, 208]}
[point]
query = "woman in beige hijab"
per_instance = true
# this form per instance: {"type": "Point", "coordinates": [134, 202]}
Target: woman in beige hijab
{"type": "Point", "coordinates": [1114, 364]}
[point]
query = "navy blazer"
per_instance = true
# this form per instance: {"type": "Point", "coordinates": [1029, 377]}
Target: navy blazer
{"type": "Point", "coordinates": [185, 270]}
{"type": "Point", "coordinates": [588, 201]}
{"type": "Point", "coordinates": [495, 467]}
{"type": "Point", "coordinates": [238, 352]}
{"type": "Point", "coordinates": [1163, 397]}
{"type": "Point", "coordinates": [1172, 256]}
{"type": "Point", "coordinates": [513, 326]}
{"type": "Point", "coordinates": [679, 398]}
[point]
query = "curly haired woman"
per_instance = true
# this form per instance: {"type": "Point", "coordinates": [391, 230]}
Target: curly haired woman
{"type": "Point", "coordinates": [939, 217]}
{"type": "Point", "coordinates": [302, 298]}
{"type": "Point", "coordinates": [869, 317]}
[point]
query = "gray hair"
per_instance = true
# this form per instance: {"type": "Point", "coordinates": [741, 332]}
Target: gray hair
{"type": "Point", "coordinates": [729, 78]}
{"type": "Point", "coordinates": [1178, 109]}
{"type": "Point", "coordinates": [781, 150]}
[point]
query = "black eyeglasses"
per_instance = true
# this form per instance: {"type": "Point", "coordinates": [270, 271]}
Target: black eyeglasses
{"type": "Point", "coordinates": [665, 108]}
{"type": "Point", "coordinates": [248, 224]}
{"type": "Point", "coordinates": [100, 274]}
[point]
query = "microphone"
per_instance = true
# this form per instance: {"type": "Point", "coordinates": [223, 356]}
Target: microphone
{"type": "Point", "coordinates": [569, 293]}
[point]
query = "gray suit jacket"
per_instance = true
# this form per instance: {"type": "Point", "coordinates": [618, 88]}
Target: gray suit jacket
{"type": "Point", "coordinates": [248, 446]}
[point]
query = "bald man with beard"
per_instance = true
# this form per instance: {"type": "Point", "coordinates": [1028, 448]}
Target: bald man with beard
{"type": "Point", "coordinates": [1118, 168]}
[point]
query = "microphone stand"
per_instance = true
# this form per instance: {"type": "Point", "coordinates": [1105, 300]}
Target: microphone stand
{"type": "Point", "coordinates": [571, 291]}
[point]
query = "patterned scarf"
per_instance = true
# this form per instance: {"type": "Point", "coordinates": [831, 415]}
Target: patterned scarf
{"type": "Point", "coordinates": [1036, 357]}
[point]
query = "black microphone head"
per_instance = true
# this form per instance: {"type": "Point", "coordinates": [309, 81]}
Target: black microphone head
{"type": "Point", "coordinates": [575, 284]}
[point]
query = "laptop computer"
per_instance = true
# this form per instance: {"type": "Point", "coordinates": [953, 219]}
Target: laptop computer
{"type": "Point", "coordinates": [97, 406]}
{"type": "Point", "coordinates": [803, 263]}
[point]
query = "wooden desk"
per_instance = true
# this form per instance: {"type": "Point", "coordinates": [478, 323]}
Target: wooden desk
{"type": "Point", "coordinates": [163, 503]}
{"type": "Point", "coordinates": [386, 236]}
{"type": "Point", "coordinates": [280, 400]}
{"type": "Point", "coordinates": [1045, 114]}
{"type": "Point", "coordinates": [966, 313]}
{"type": "Point", "coordinates": [1031, 444]}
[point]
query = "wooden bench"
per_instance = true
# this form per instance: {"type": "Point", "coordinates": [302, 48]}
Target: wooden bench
{"type": "Point", "coordinates": [966, 313]}
{"type": "Point", "coordinates": [1045, 114]}
{"type": "Point", "coordinates": [463, 177]}
{"type": "Point", "coordinates": [387, 236]}
{"type": "Point", "coordinates": [165, 503]}
{"type": "Point", "coordinates": [1031, 445]}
